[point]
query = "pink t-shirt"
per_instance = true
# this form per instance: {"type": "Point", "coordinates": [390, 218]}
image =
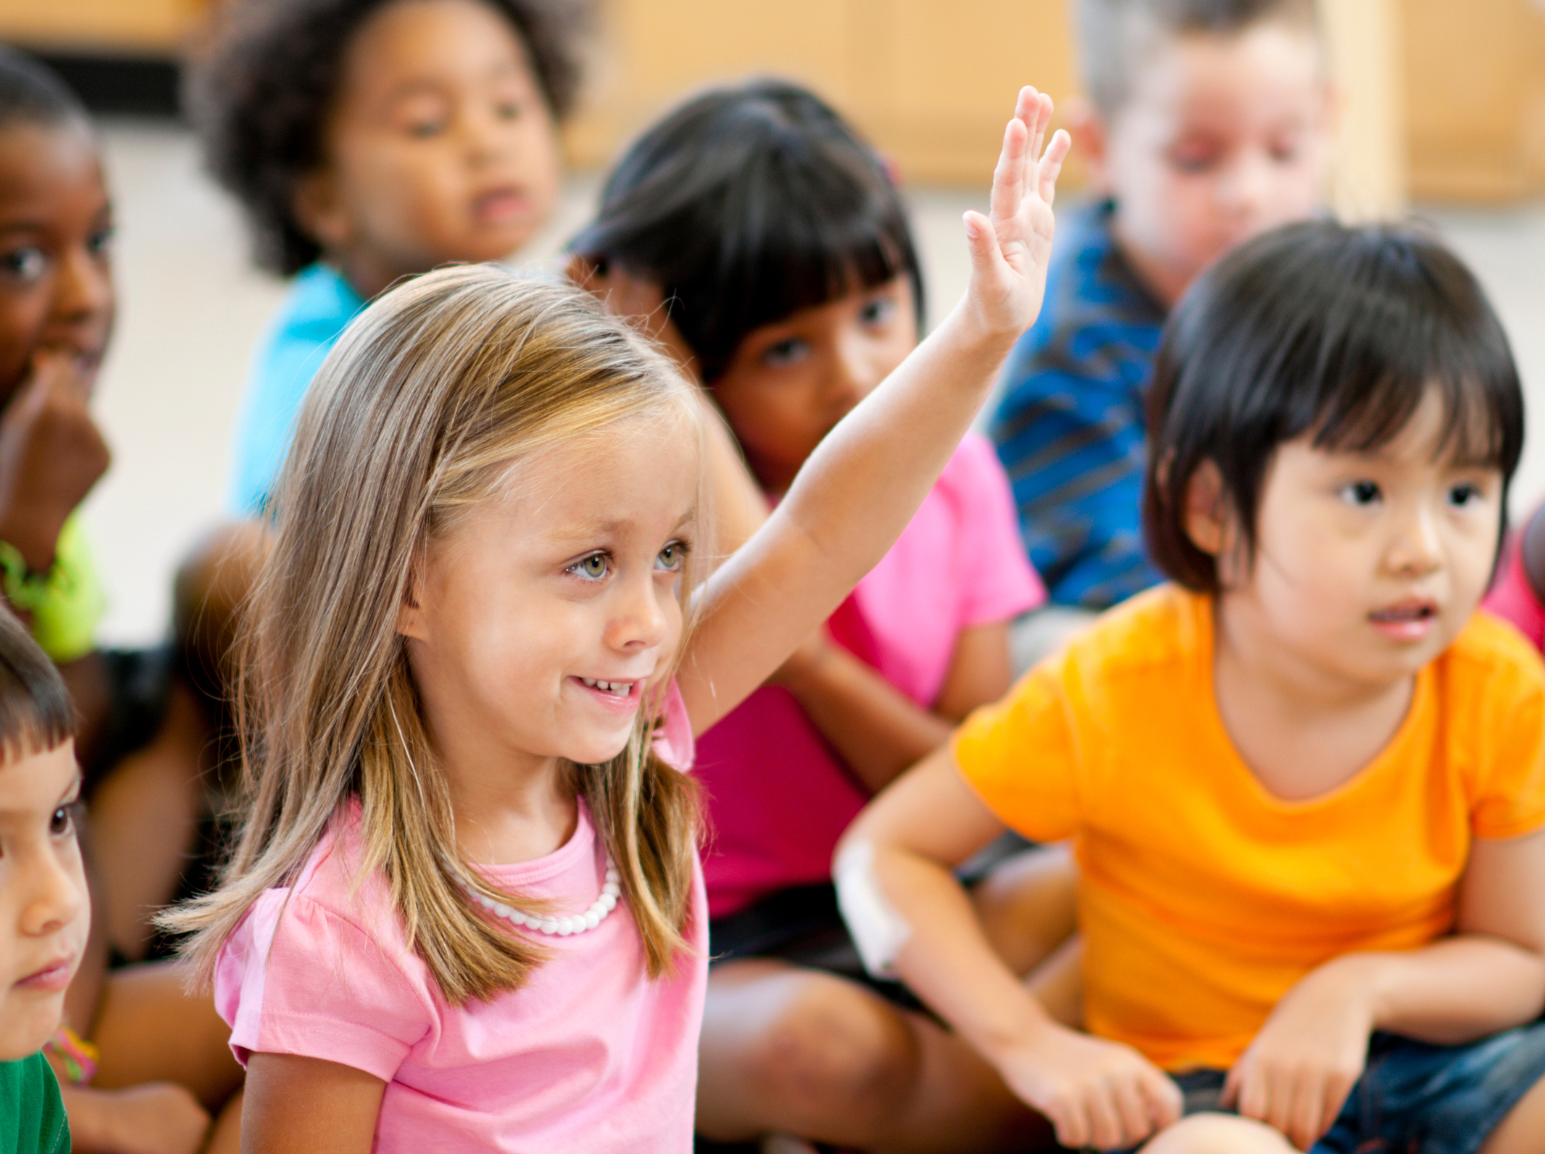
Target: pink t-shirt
{"type": "Point", "coordinates": [1512, 597]}
{"type": "Point", "coordinates": [589, 1056]}
{"type": "Point", "coordinates": [778, 796]}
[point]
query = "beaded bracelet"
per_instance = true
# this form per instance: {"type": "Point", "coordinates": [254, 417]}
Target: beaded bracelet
{"type": "Point", "coordinates": [24, 589]}
{"type": "Point", "coordinates": [77, 1056]}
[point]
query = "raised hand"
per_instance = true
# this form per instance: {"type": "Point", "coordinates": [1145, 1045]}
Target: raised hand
{"type": "Point", "coordinates": [1095, 1092]}
{"type": "Point", "coordinates": [51, 454]}
{"type": "Point", "coordinates": [1011, 247]}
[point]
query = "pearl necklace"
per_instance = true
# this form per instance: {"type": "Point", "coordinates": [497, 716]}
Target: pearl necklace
{"type": "Point", "coordinates": [560, 926]}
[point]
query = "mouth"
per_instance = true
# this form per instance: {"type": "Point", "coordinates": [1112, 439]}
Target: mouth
{"type": "Point", "coordinates": [52, 978]}
{"type": "Point", "coordinates": [1409, 620]}
{"type": "Point", "coordinates": [500, 205]}
{"type": "Point", "coordinates": [621, 697]}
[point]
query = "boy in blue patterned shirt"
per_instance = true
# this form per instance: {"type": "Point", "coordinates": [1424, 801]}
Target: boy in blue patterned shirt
{"type": "Point", "coordinates": [1207, 123]}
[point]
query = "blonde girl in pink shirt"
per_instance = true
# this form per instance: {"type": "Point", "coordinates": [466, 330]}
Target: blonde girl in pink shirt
{"type": "Point", "coordinates": [465, 910]}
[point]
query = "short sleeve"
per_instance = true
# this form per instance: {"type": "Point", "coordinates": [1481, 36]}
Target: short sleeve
{"type": "Point", "coordinates": [1509, 798]}
{"type": "Point", "coordinates": [299, 978]}
{"type": "Point", "coordinates": [998, 582]}
{"type": "Point", "coordinates": [673, 736]}
{"type": "Point", "coordinates": [1019, 756]}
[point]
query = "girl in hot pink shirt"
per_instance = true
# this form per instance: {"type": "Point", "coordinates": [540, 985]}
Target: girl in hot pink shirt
{"type": "Point", "coordinates": [465, 911]}
{"type": "Point", "coordinates": [773, 251]}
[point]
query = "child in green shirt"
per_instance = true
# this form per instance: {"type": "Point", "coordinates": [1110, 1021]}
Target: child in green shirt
{"type": "Point", "coordinates": [45, 911]}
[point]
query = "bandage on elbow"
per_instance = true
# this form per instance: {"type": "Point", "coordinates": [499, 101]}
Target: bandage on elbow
{"type": "Point", "coordinates": [878, 930]}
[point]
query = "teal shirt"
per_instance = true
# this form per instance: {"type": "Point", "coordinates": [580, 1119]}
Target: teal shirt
{"type": "Point", "coordinates": [319, 307]}
{"type": "Point", "coordinates": [32, 1117]}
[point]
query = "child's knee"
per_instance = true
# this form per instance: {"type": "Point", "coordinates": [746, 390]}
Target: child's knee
{"type": "Point", "coordinates": [836, 1046]}
{"type": "Point", "coordinates": [1219, 1134]}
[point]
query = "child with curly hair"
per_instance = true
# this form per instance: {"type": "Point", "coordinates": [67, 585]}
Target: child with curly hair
{"type": "Point", "coordinates": [370, 140]}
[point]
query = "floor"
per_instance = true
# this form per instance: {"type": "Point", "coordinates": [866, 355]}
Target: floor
{"type": "Point", "coordinates": [192, 308]}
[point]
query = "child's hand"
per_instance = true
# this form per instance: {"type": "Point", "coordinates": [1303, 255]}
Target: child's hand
{"type": "Point", "coordinates": [51, 454]}
{"type": "Point", "coordinates": [1096, 1093]}
{"type": "Point", "coordinates": [1010, 249]}
{"type": "Point", "coordinates": [1300, 1068]}
{"type": "Point", "coordinates": [154, 1118]}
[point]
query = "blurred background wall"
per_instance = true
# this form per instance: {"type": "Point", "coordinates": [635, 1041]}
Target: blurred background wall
{"type": "Point", "coordinates": [1442, 99]}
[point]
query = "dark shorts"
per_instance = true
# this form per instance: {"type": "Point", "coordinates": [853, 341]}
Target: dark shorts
{"type": "Point", "coordinates": [1413, 1096]}
{"type": "Point", "coordinates": [800, 925]}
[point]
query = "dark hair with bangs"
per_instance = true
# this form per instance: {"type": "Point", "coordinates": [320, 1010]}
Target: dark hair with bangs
{"type": "Point", "coordinates": [33, 93]}
{"type": "Point", "coordinates": [745, 205]}
{"type": "Point", "coordinates": [262, 87]}
{"type": "Point", "coordinates": [35, 710]}
{"type": "Point", "coordinates": [1322, 330]}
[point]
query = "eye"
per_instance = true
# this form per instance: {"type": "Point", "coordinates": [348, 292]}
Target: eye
{"type": "Point", "coordinates": [1194, 159]}
{"type": "Point", "coordinates": [64, 820]}
{"type": "Point", "coordinates": [878, 312]}
{"type": "Point", "coordinates": [672, 557]}
{"type": "Point", "coordinates": [508, 110]}
{"type": "Point", "coordinates": [1361, 493]}
{"type": "Point", "coordinates": [1464, 494]}
{"type": "Point", "coordinates": [1285, 152]}
{"type": "Point", "coordinates": [23, 265]}
{"type": "Point", "coordinates": [784, 353]}
{"type": "Point", "coordinates": [593, 567]}
{"type": "Point", "coordinates": [101, 241]}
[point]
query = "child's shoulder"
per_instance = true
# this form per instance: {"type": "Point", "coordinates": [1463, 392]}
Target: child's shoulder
{"type": "Point", "coordinates": [32, 1114]}
{"type": "Point", "coordinates": [1490, 656]}
{"type": "Point", "coordinates": [1161, 628]}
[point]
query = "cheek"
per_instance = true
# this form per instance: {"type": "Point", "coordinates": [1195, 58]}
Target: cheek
{"type": "Point", "coordinates": [22, 316]}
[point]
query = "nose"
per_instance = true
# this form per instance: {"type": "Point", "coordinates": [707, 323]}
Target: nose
{"type": "Point", "coordinates": [1243, 189]}
{"type": "Point", "coordinates": [853, 374]}
{"type": "Point", "coordinates": [83, 289]}
{"type": "Point", "coordinates": [486, 135]}
{"type": "Point", "coordinates": [55, 894]}
{"type": "Point", "coordinates": [639, 620]}
{"type": "Point", "coordinates": [1417, 549]}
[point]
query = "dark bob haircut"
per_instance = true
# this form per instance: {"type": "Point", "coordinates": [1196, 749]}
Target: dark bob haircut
{"type": "Point", "coordinates": [261, 90]}
{"type": "Point", "coordinates": [1324, 331]}
{"type": "Point", "coordinates": [748, 204]}
{"type": "Point", "coordinates": [35, 710]}
{"type": "Point", "coordinates": [33, 93]}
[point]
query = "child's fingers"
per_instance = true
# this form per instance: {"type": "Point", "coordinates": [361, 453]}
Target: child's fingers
{"type": "Point", "coordinates": [1132, 1105]}
{"type": "Point", "coordinates": [1051, 164]}
{"type": "Point", "coordinates": [1165, 1101]}
{"type": "Point", "coordinates": [982, 242]}
{"type": "Point", "coordinates": [1008, 186]}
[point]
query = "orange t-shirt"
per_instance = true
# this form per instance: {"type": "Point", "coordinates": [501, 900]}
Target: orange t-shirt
{"type": "Point", "coordinates": [1202, 897]}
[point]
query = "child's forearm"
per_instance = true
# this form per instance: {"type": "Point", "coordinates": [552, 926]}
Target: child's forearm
{"type": "Point", "coordinates": [947, 960]}
{"type": "Point", "coordinates": [876, 729]}
{"type": "Point", "coordinates": [1451, 992]}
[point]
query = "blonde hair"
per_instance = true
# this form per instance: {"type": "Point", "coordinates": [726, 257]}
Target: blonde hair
{"type": "Point", "coordinates": [417, 415]}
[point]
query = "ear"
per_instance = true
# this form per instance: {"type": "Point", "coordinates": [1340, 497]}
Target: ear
{"type": "Point", "coordinates": [1091, 140]}
{"type": "Point", "coordinates": [1206, 510]}
{"type": "Point", "coordinates": [319, 211]}
{"type": "Point", "coordinates": [410, 614]}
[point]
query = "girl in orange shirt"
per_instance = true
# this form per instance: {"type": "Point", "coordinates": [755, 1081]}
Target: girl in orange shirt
{"type": "Point", "coordinates": [1305, 781]}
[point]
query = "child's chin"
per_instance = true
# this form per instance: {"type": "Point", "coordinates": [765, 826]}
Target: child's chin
{"type": "Point", "coordinates": [26, 1023]}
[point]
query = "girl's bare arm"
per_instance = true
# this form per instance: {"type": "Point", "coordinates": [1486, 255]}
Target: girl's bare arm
{"type": "Point", "coordinates": [878, 730]}
{"type": "Point", "coordinates": [858, 490]}
{"type": "Point", "coordinates": [902, 849]}
{"type": "Point", "coordinates": [300, 1105]}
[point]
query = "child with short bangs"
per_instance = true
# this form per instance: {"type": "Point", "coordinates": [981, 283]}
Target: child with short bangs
{"type": "Point", "coordinates": [466, 910]}
{"type": "Point", "coordinates": [1207, 122]}
{"type": "Point", "coordinates": [1305, 780]}
{"type": "Point", "coordinates": [766, 244]}
{"type": "Point", "coordinates": [45, 910]}
{"type": "Point", "coordinates": [370, 140]}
